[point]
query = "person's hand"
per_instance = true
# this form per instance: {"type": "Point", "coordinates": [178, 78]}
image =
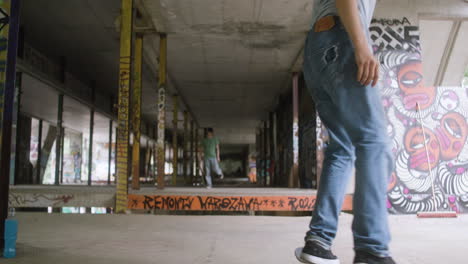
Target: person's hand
{"type": "Point", "coordinates": [368, 66]}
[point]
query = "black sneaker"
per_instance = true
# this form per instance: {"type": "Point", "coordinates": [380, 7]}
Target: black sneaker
{"type": "Point", "coordinates": [367, 258]}
{"type": "Point", "coordinates": [314, 253]}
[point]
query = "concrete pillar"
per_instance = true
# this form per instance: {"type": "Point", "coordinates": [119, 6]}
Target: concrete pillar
{"type": "Point", "coordinates": [272, 136]}
{"type": "Point", "coordinates": [109, 171]}
{"type": "Point", "coordinates": [175, 144]}
{"type": "Point", "coordinates": [136, 105]}
{"type": "Point", "coordinates": [58, 140]}
{"type": "Point", "coordinates": [265, 153]}
{"type": "Point", "coordinates": [23, 168]}
{"type": "Point", "coordinates": [39, 155]}
{"type": "Point", "coordinates": [294, 180]}
{"type": "Point", "coordinates": [17, 131]}
{"type": "Point", "coordinates": [192, 151]}
{"type": "Point", "coordinates": [197, 156]}
{"type": "Point", "coordinates": [185, 146]}
{"type": "Point", "coordinates": [91, 134]}
{"type": "Point", "coordinates": [124, 105]}
{"type": "Point", "coordinates": [161, 111]}
{"type": "Point", "coordinates": [307, 139]}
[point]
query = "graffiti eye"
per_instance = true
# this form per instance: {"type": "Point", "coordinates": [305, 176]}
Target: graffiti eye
{"type": "Point", "coordinates": [411, 79]}
{"type": "Point", "coordinates": [418, 141]}
{"type": "Point", "coordinates": [452, 126]}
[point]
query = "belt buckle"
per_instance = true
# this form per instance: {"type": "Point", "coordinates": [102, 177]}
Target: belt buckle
{"type": "Point", "coordinates": [324, 24]}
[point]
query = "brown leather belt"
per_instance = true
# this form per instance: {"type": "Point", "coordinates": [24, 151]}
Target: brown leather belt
{"type": "Point", "coordinates": [325, 23]}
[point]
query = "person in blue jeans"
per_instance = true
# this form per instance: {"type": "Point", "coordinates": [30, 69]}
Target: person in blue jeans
{"type": "Point", "coordinates": [342, 74]}
{"type": "Point", "coordinates": [211, 156]}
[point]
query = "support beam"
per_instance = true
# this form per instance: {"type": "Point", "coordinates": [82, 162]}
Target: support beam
{"type": "Point", "coordinates": [91, 134]}
{"type": "Point", "coordinates": [109, 171]}
{"type": "Point", "coordinates": [137, 90]}
{"type": "Point", "coordinates": [90, 151]}
{"type": "Point", "coordinates": [197, 156]}
{"type": "Point", "coordinates": [273, 148]}
{"type": "Point", "coordinates": [192, 161]}
{"type": "Point", "coordinates": [295, 135]}
{"type": "Point", "coordinates": [175, 143]}
{"type": "Point", "coordinates": [14, 171]}
{"type": "Point", "coordinates": [154, 169]}
{"type": "Point", "coordinates": [185, 146]}
{"type": "Point", "coordinates": [58, 140]}
{"type": "Point", "coordinates": [265, 153]}
{"type": "Point", "coordinates": [9, 37]}
{"type": "Point", "coordinates": [124, 105]}
{"type": "Point", "coordinates": [162, 110]}
{"type": "Point", "coordinates": [39, 154]}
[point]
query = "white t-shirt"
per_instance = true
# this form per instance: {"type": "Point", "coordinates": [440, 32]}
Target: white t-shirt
{"type": "Point", "coordinates": [328, 7]}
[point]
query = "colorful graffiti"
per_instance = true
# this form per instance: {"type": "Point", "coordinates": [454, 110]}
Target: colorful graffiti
{"type": "Point", "coordinates": [444, 111]}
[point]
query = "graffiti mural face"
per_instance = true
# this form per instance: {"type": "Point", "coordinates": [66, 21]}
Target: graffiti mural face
{"type": "Point", "coordinates": [452, 134]}
{"type": "Point", "coordinates": [415, 146]}
{"type": "Point", "coordinates": [411, 83]}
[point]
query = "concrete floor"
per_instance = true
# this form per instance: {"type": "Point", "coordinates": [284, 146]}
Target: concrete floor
{"type": "Point", "coordinates": [123, 239]}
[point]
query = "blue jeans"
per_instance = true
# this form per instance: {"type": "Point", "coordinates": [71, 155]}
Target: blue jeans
{"type": "Point", "coordinates": [356, 123]}
{"type": "Point", "coordinates": [211, 164]}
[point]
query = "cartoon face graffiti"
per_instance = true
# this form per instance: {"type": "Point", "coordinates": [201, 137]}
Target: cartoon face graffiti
{"type": "Point", "coordinates": [415, 146]}
{"type": "Point", "coordinates": [411, 83]}
{"type": "Point", "coordinates": [452, 134]}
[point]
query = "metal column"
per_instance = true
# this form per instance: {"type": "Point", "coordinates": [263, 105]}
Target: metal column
{"type": "Point", "coordinates": [265, 154]}
{"type": "Point", "coordinates": [39, 154]}
{"type": "Point", "coordinates": [58, 140]}
{"type": "Point", "coordinates": [273, 148]}
{"type": "Point", "coordinates": [14, 171]}
{"type": "Point", "coordinates": [109, 172]}
{"type": "Point", "coordinates": [192, 161]}
{"type": "Point", "coordinates": [153, 168]}
{"type": "Point", "coordinates": [137, 111]}
{"type": "Point", "coordinates": [123, 111]}
{"type": "Point", "coordinates": [161, 110]}
{"type": "Point", "coordinates": [197, 159]}
{"type": "Point", "coordinates": [185, 147]}
{"type": "Point", "coordinates": [175, 146]}
{"type": "Point", "coordinates": [91, 134]}
{"type": "Point", "coordinates": [295, 135]}
{"type": "Point", "coordinates": [8, 52]}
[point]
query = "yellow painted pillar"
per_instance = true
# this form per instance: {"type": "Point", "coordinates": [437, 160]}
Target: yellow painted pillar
{"type": "Point", "coordinates": [123, 112]}
{"type": "Point", "coordinates": [161, 110]}
{"type": "Point", "coordinates": [175, 146]}
{"type": "Point", "coordinates": [137, 111]}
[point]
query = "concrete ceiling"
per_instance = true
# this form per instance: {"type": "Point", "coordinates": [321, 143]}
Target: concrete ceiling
{"type": "Point", "coordinates": [228, 59]}
{"type": "Point", "coordinates": [230, 65]}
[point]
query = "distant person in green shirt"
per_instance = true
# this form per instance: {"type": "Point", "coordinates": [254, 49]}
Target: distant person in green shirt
{"type": "Point", "coordinates": [211, 156]}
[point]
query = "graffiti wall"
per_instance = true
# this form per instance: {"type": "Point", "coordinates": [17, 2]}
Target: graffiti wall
{"type": "Point", "coordinates": [442, 117]}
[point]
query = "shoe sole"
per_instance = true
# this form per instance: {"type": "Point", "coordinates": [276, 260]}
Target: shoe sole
{"type": "Point", "coordinates": [306, 258]}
